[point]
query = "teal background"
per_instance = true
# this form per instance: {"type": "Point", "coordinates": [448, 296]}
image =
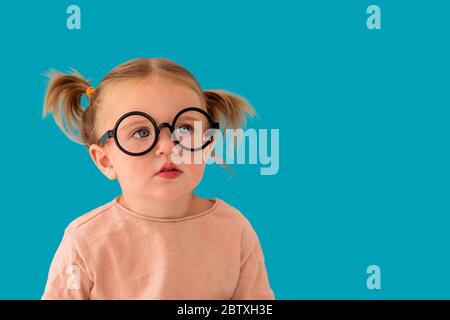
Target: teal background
{"type": "Point", "coordinates": [364, 128]}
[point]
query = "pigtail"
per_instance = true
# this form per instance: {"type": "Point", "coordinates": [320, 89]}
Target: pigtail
{"type": "Point", "coordinates": [228, 108]}
{"type": "Point", "coordinates": [63, 99]}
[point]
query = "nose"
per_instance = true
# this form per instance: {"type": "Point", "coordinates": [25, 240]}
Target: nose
{"type": "Point", "coordinates": [165, 144]}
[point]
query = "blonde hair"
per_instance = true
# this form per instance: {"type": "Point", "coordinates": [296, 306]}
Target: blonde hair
{"type": "Point", "coordinates": [65, 91]}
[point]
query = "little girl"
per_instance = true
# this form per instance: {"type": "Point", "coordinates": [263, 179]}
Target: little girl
{"type": "Point", "coordinates": [156, 240]}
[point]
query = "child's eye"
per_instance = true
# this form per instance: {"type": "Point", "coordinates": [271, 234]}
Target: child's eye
{"type": "Point", "coordinates": [184, 129]}
{"type": "Point", "coordinates": [141, 133]}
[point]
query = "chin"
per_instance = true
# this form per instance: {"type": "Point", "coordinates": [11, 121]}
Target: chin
{"type": "Point", "coordinates": [168, 193]}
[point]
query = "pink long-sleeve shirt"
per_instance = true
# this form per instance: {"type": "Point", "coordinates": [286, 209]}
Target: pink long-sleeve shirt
{"type": "Point", "coordinates": [112, 252]}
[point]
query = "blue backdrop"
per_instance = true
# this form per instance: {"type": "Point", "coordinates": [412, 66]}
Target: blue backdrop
{"type": "Point", "coordinates": [364, 133]}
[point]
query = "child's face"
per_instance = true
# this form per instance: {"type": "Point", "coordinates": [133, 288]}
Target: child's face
{"type": "Point", "coordinates": [161, 99]}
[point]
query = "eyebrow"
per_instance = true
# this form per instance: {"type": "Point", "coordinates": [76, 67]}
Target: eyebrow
{"type": "Point", "coordinates": [190, 118]}
{"type": "Point", "coordinates": [132, 123]}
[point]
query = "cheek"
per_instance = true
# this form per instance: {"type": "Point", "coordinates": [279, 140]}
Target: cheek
{"type": "Point", "coordinates": [192, 164]}
{"type": "Point", "coordinates": [132, 169]}
{"type": "Point", "coordinates": [193, 172]}
{"type": "Point", "coordinates": [182, 157]}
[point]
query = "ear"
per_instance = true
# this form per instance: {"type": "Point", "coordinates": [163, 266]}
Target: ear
{"type": "Point", "coordinates": [102, 160]}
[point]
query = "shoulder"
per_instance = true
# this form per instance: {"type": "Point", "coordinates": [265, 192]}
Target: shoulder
{"type": "Point", "coordinates": [88, 225]}
{"type": "Point", "coordinates": [228, 211]}
{"type": "Point", "coordinates": [249, 237]}
{"type": "Point", "coordinates": [90, 217]}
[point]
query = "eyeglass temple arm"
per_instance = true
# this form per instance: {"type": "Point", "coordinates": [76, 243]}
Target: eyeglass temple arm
{"type": "Point", "coordinates": [108, 134]}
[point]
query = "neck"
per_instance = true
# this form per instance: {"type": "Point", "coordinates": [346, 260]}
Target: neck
{"type": "Point", "coordinates": [157, 208]}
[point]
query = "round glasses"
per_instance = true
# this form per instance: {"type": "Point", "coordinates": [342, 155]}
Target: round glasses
{"type": "Point", "coordinates": [136, 133]}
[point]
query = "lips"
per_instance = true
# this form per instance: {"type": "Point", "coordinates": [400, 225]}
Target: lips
{"type": "Point", "coordinates": [168, 167]}
{"type": "Point", "coordinates": [168, 171]}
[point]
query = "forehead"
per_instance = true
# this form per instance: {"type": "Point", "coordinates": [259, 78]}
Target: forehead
{"type": "Point", "coordinates": [159, 97]}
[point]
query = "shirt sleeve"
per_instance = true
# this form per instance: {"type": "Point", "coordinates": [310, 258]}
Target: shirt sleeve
{"type": "Point", "coordinates": [68, 278]}
{"type": "Point", "coordinates": [253, 283]}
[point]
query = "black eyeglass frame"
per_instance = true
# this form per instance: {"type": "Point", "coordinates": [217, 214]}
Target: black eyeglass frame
{"type": "Point", "coordinates": [112, 133]}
